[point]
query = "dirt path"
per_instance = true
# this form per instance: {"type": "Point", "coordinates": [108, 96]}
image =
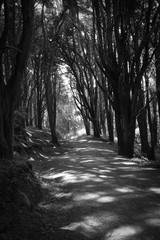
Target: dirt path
{"type": "Point", "coordinates": [103, 196]}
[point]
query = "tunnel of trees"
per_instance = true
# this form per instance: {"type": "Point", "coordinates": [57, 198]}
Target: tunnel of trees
{"type": "Point", "coordinates": [94, 60]}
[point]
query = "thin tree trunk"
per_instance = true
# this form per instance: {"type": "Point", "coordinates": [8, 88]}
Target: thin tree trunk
{"type": "Point", "coordinates": [50, 91]}
{"type": "Point", "coordinates": [150, 124]}
{"type": "Point", "coordinates": [86, 125]}
{"type": "Point", "coordinates": [102, 115]}
{"type": "Point", "coordinates": [96, 129]}
{"type": "Point", "coordinates": [109, 115]}
{"type": "Point", "coordinates": [142, 123]}
{"type": "Point", "coordinates": [157, 65]}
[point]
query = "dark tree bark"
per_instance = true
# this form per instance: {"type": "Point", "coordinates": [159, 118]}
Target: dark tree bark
{"type": "Point", "coordinates": [39, 92]}
{"type": "Point", "coordinates": [50, 88]}
{"type": "Point", "coordinates": [87, 126]}
{"type": "Point", "coordinates": [151, 124]}
{"type": "Point", "coordinates": [85, 120]}
{"type": "Point", "coordinates": [50, 80]}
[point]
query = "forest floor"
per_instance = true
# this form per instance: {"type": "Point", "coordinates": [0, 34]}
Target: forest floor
{"type": "Point", "coordinates": [92, 193]}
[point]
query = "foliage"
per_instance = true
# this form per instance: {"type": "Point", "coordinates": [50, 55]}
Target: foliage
{"type": "Point", "coordinates": [20, 193]}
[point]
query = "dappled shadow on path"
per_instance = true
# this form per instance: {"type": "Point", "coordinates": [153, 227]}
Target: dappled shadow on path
{"type": "Point", "coordinates": [103, 196]}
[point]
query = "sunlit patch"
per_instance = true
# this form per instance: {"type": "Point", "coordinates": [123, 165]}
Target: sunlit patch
{"type": "Point", "coordinates": [43, 156]}
{"type": "Point", "coordinates": [105, 150]}
{"type": "Point", "coordinates": [128, 176]}
{"type": "Point", "coordinates": [104, 171]}
{"type": "Point", "coordinates": [93, 141]}
{"type": "Point", "coordinates": [72, 177]}
{"type": "Point", "coordinates": [120, 158]}
{"type": "Point", "coordinates": [86, 161]}
{"type": "Point", "coordinates": [92, 149]}
{"type": "Point", "coordinates": [87, 176]}
{"type": "Point", "coordinates": [92, 221]}
{"type": "Point", "coordinates": [128, 163]}
{"type": "Point", "coordinates": [125, 163]}
{"type": "Point", "coordinates": [98, 180]}
{"type": "Point", "coordinates": [106, 199]}
{"type": "Point", "coordinates": [124, 232]}
{"type": "Point", "coordinates": [82, 227]}
{"type": "Point", "coordinates": [57, 153]}
{"type": "Point", "coordinates": [101, 219]}
{"type": "Point", "coordinates": [45, 185]}
{"type": "Point", "coordinates": [63, 195]}
{"type": "Point", "coordinates": [31, 159]}
{"type": "Point", "coordinates": [29, 134]}
{"type": "Point", "coordinates": [150, 169]}
{"type": "Point", "coordinates": [45, 206]}
{"type": "Point", "coordinates": [126, 168]}
{"type": "Point", "coordinates": [80, 149]}
{"type": "Point", "coordinates": [155, 190]}
{"type": "Point", "coordinates": [116, 163]}
{"type": "Point", "coordinates": [82, 140]}
{"type": "Point", "coordinates": [81, 132]}
{"type": "Point", "coordinates": [91, 224]}
{"type": "Point", "coordinates": [124, 190]}
{"type": "Point", "coordinates": [111, 169]}
{"type": "Point", "coordinates": [86, 196]}
{"type": "Point", "coordinates": [97, 197]}
{"type": "Point", "coordinates": [153, 222]}
{"type": "Point", "coordinates": [30, 140]}
{"type": "Point", "coordinates": [103, 176]}
{"type": "Point", "coordinates": [64, 156]}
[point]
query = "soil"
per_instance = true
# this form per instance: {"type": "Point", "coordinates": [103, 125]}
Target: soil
{"type": "Point", "coordinates": [89, 192]}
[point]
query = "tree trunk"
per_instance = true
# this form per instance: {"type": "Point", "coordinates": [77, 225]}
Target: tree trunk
{"type": "Point", "coordinates": [125, 120]}
{"type": "Point", "coordinates": [109, 120]}
{"type": "Point", "coordinates": [86, 125]}
{"type": "Point", "coordinates": [96, 129]}
{"type": "Point", "coordinates": [126, 134]}
{"type": "Point", "coordinates": [154, 106]}
{"type": "Point", "coordinates": [142, 123]}
{"type": "Point", "coordinates": [54, 138]}
{"type": "Point", "coordinates": [50, 82]}
{"type": "Point", "coordinates": [157, 65]}
{"type": "Point", "coordinates": [39, 115]}
{"type": "Point", "coordinates": [51, 106]}
{"type": "Point", "coordinates": [102, 115]}
{"type": "Point", "coordinates": [150, 122]}
{"type": "Point", "coordinates": [5, 151]}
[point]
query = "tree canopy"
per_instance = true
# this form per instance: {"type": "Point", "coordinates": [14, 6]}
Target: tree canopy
{"type": "Point", "coordinates": [110, 50]}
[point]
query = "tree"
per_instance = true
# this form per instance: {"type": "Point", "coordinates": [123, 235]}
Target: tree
{"type": "Point", "coordinates": [50, 66]}
{"type": "Point", "coordinates": [122, 36]}
{"type": "Point", "coordinates": [10, 82]}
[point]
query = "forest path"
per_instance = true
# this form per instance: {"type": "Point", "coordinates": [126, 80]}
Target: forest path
{"type": "Point", "coordinates": [102, 196]}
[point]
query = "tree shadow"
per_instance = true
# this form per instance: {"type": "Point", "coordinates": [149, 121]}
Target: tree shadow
{"type": "Point", "coordinates": [102, 195]}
